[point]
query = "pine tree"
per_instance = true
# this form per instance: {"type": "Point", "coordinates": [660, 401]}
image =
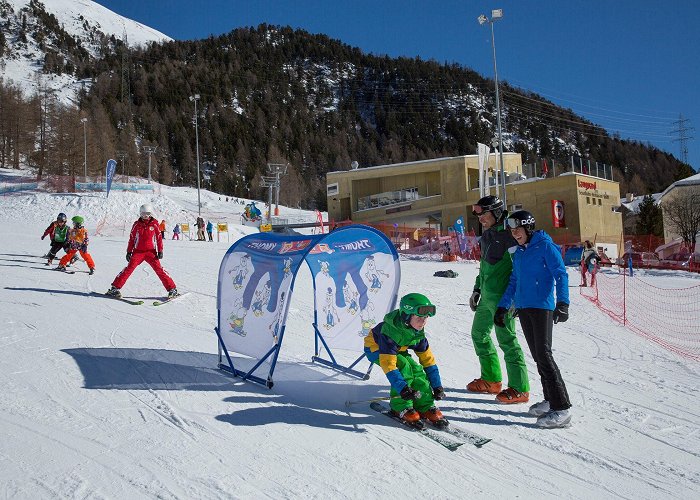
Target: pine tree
{"type": "Point", "coordinates": [650, 218]}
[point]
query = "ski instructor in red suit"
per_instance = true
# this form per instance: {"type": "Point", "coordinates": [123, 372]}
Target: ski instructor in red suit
{"type": "Point", "coordinates": [145, 244]}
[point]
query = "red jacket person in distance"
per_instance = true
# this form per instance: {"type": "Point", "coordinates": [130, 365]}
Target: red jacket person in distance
{"type": "Point", "coordinates": [145, 244]}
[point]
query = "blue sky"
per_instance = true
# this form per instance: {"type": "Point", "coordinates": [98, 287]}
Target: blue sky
{"type": "Point", "coordinates": [629, 66]}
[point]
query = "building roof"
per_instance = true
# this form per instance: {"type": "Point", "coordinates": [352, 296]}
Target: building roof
{"type": "Point", "coordinates": [693, 180]}
{"type": "Point", "coordinates": [633, 206]}
{"type": "Point", "coordinates": [417, 162]}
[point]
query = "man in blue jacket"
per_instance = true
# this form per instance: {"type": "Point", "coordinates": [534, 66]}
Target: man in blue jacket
{"type": "Point", "coordinates": [538, 269]}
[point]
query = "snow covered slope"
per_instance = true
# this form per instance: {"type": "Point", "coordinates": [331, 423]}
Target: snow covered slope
{"type": "Point", "coordinates": [102, 399]}
{"type": "Point", "coordinates": [84, 20]}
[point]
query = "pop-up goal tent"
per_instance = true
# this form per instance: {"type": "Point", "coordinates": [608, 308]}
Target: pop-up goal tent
{"type": "Point", "coordinates": [356, 276]}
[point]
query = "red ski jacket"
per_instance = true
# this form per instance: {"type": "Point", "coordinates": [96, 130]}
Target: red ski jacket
{"type": "Point", "coordinates": [145, 237]}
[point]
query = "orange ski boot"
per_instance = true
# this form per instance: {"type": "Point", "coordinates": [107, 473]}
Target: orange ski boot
{"type": "Point", "coordinates": [510, 396]}
{"type": "Point", "coordinates": [409, 415]}
{"type": "Point", "coordinates": [482, 386]}
{"type": "Point", "coordinates": [435, 417]}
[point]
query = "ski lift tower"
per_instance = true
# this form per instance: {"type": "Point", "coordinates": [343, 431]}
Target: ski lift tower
{"type": "Point", "coordinates": [278, 170]}
{"type": "Point", "coordinates": [270, 183]}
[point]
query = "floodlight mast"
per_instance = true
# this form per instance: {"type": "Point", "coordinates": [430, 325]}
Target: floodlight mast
{"type": "Point", "coordinates": [497, 14]}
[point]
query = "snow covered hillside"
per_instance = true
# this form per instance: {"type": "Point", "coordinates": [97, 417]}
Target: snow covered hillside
{"type": "Point", "coordinates": [84, 20]}
{"type": "Point", "coordinates": [102, 399]}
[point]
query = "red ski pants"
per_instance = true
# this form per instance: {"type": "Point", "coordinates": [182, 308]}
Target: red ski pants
{"type": "Point", "coordinates": [136, 259]}
{"type": "Point", "coordinates": [86, 257]}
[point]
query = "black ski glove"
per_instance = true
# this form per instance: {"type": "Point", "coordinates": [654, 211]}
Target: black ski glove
{"type": "Point", "coordinates": [438, 393]}
{"type": "Point", "coordinates": [561, 312]}
{"type": "Point", "coordinates": [409, 393]}
{"type": "Point", "coordinates": [128, 256]}
{"type": "Point", "coordinates": [159, 255]}
{"type": "Point", "coordinates": [43, 237]}
{"type": "Point", "coordinates": [499, 319]}
{"type": "Point", "coordinates": [474, 299]}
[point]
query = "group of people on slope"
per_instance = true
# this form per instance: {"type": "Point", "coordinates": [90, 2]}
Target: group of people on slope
{"type": "Point", "coordinates": [201, 226]}
{"type": "Point", "coordinates": [71, 240]}
{"type": "Point", "coordinates": [145, 244]}
{"type": "Point", "coordinates": [521, 269]}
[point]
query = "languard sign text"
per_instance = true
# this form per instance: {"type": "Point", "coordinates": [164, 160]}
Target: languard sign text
{"type": "Point", "coordinates": [590, 188]}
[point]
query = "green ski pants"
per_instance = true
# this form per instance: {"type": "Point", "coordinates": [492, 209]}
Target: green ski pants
{"type": "Point", "coordinates": [507, 341]}
{"type": "Point", "coordinates": [415, 377]}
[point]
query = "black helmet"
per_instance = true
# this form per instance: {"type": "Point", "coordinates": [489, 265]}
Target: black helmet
{"type": "Point", "coordinates": [491, 204]}
{"type": "Point", "coordinates": [62, 217]}
{"type": "Point", "coordinates": [521, 218]}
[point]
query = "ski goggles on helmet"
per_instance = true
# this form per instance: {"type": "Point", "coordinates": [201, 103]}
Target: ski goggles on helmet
{"type": "Point", "coordinates": [513, 223]}
{"type": "Point", "coordinates": [478, 210]}
{"type": "Point", "coordinates": [425, 311]}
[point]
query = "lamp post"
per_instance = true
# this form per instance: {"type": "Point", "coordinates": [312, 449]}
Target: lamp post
{"type": "Point", "coordinates": [83, 121]}
{"type": "Point", "coordinates": [150, 150]}
{"type": "Point", "coordinates": [195, 98]}
{"type": "Point", "coordinates": [497, 14]}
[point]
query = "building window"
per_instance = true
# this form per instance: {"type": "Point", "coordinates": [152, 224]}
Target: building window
{"type": "Point", "coordinates": [332, 189]}
{"type": "Point", "coordinates": [588, 200]}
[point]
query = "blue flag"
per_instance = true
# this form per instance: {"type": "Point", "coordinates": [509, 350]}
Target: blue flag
{"type": "Point", "coordinates": [111, 168]}
{"type": "Point", "coordinates": [459, 229]}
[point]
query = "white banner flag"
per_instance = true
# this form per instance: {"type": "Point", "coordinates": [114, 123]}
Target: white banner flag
{"type": "Point", "coordinates": [483, 151]}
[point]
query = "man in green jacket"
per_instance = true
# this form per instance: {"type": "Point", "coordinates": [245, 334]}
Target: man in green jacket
{"type": "Point", "coordinates": [494, 273]}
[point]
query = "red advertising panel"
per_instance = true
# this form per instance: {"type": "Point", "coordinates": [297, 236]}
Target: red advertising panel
{"type": "Point", "coordinates": [558, 214]}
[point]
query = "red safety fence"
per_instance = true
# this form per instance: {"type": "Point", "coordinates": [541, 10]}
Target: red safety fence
{"type": "Point", "coordinates": [669, 317]}
{"type": "Point", "coordinates": [425, 241]}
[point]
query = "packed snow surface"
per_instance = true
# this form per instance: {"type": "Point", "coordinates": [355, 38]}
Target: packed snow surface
{"type": "Point", "coordinates": [102, 399]}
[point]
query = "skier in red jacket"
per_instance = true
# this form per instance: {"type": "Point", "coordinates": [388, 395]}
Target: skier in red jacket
{"type": "Point", "coordinates": [145, 243]}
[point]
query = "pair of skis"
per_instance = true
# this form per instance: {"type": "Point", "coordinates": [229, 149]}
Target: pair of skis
{"type": "Point", "coordinates": [139, 302]}
{"type": "Point", "coordinates": [451, 437]}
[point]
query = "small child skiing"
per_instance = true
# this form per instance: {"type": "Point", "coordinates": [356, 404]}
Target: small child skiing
{"type": "Point", "coordinates": [210, 229]}
{"type": "Point", "coordinates": [414, 387]}
{"type": "Point", "coordinates": [145, 244]}
{"type": "Point", "coordinates": [77, 242]}
{"type": "Point", "coordinates": [162, 228]}
{"type": "Point", "coordinates": [176, 232]}
{"type": "Point", "coordinates": [58, 233]}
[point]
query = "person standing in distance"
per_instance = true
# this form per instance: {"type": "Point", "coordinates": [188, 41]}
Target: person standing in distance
{"type": "Point", "coordinates": [145, 243]}
{"type": "Point", "coordinates": [496, 243]}
{"type": "Point", "coordinates": [538, 269]}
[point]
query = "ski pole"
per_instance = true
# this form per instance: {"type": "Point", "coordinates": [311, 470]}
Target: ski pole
{"type": "Point", "coordinates": [382, 398]}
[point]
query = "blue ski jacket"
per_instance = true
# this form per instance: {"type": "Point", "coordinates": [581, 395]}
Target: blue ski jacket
{"type": "Point", "coordinates": [537, 269]}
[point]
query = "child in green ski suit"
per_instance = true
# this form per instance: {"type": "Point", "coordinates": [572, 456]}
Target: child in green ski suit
{"type": "Point", "coordinates": [414, 387]}
{"type": "Point", "coordinates": [494, 273]}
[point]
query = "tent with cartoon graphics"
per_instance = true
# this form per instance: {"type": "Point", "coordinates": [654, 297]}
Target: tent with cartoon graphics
{"type": "Point", "coordinates": [356, 277]}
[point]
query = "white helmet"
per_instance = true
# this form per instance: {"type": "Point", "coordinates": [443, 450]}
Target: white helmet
{"type": "Point", "coordinates": [146, 209]}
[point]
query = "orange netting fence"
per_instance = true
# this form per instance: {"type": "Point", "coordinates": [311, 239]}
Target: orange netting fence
{"type": "Point", "coordinates": [669, 317]}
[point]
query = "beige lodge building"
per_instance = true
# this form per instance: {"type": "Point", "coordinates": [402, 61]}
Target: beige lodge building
{"type": "Point", "coordinates": [570, 205]}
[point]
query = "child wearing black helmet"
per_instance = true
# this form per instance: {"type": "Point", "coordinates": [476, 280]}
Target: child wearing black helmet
{"type": "Point", "coordinates": [538, 270]}
{"type": "Point", "coordinates": [58, 233]}
{"type": "Point", "coordinates": [414, 387]}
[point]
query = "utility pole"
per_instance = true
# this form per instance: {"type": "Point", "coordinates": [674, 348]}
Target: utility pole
{"type": "Point", "coordinates": [195, 98]}
{"type": "Point", "coordinates": [150, 150]}
{"type": "Point", "coordinates": [83, 120]}
{"type": "Point", "coordinates": [683, 139]}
